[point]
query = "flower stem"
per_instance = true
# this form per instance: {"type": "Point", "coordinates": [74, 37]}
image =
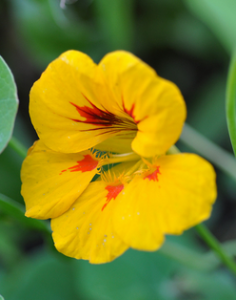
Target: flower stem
{"type": "Point", "coordinates": [231, 102]}
{"type": "Point", "coordinates": [18, 147]}
{"type": "Point", "coordinates": [212, 242]}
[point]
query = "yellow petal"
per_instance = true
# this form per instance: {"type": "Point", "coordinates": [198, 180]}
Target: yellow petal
{"type": "Point", "coordinates": [85, 230]}
{"type": "Point", "coordinates": [65, 108]}
{"type": "Point", "coordinates": [155, 104]}
{"type": "Point", "coordinates": [52, 181]}
{"type": "Point", "coordinates": [174, 196]}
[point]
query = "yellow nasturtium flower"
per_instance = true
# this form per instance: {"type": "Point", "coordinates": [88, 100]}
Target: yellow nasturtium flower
{"type": "Point", "coordinates": [119, 111]}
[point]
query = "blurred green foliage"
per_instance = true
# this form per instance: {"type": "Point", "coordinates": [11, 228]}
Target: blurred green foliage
{"type": "Point", "coordinates": [220, 17]}
{"type": "Point", "coordinates": [188, 42]}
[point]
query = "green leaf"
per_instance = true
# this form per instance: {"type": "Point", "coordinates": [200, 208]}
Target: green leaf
{"type": "Point", "coordinates": [231, 102]}
{"type": "Point", "coordinates": [8, 104]}
{"type": "Point", "coordinates": [219, 16]}
{"type": "Point", "coordinates": [1, 297]}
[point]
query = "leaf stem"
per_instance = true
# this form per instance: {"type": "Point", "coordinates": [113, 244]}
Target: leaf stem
{"type": "Point", "coordinates": [17, 210]}
{"type": "Point", "coordinates": [18, 147]}
{"type": "Point", "coordinates": [212, 242]}
{"type": "Point", "coordinates": [231, 102]}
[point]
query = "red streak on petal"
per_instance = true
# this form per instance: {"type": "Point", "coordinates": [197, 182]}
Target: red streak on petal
{"type": "Point", "coordinates": [113, 192]}
{"type": "Point", "coordinates": [153, 176]}
{"type": "Point", "coordinates": [130, 112]}
{"type": "Point", "coordinates": [94, 115]}
{"type": "Point", "coordinates": [84, 165]}
{"type": "Point", "coordinates": [63, 171]}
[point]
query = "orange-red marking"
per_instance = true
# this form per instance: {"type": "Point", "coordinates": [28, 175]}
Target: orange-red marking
{"type": "Point", "coordinates": [130, 112]}
{"type": "Point", "coordinates": [153, 176]}
{"type": "Point", "coordinates": [113, 192]}
{"type": "Point", "coordinates": [95, 115]}
{"type": "Point", "coordinates": [88, 163]}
